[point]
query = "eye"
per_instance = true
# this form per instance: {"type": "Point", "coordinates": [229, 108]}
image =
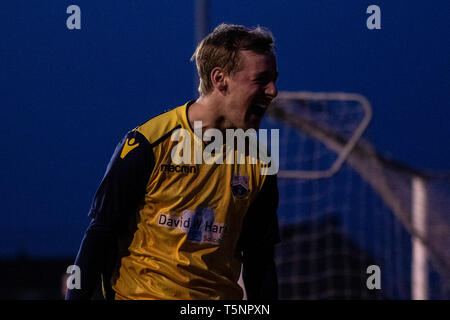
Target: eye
{"type": "Point", "coordinates": [262, 81]}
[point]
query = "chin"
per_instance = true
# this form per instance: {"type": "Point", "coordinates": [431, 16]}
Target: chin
{"type": "Point", "coordinates": [254, 124]}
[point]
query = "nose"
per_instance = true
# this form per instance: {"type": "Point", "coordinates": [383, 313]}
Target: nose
{"type": "Point", "coordinates": [271, 90]}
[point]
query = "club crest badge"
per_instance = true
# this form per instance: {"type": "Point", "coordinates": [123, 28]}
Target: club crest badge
{"type": "Point", "coordinates": [239, 186]}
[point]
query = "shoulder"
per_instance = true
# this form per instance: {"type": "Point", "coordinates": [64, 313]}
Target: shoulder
{"type": "Point", "coordinates": [162, 125]}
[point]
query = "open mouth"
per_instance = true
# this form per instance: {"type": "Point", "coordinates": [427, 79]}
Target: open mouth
{"type": "Point", "coordinates": [257, 109]}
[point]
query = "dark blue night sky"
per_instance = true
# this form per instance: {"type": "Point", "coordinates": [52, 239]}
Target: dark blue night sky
{"type": "Point", "coordinates": [67, 97]}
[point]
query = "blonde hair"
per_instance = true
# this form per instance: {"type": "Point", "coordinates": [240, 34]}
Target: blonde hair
{"type": "Point", "coordinates": [221, 49]}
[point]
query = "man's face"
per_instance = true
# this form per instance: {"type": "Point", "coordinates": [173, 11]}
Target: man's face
{"type": "Point", "coordinates": [251, 89]}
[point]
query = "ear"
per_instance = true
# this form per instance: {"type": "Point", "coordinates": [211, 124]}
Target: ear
{"type": "Point", "coordinates": [218, 79]}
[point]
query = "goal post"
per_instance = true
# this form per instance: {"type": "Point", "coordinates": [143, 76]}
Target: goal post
{"type": "Point", "coordinates": [419, 264]}
{"type": "Point", "coordinates": [309, 127]}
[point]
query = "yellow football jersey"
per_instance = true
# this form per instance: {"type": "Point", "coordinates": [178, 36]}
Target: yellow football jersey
{"type": "Point", "coordinates": [182, 238]}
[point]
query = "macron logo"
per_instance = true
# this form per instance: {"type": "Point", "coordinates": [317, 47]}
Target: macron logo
{"type": "Point", "coordinates": [178, 168]}
{"type": "Point", "coordinates": [128, 147]}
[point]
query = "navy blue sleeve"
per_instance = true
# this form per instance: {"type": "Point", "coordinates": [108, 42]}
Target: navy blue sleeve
{"type": "Point", "coordinates": [260, 226]}
{"type": "Point", "coordinates": [259, 235]}
{"type": "Point", "coordinates": [116, 201]}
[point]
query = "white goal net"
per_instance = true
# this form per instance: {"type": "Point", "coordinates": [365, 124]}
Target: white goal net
{"type": "Point", "coordinates": [345, 207]}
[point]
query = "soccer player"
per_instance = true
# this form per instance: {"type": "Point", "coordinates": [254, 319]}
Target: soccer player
{"type": "Point", "coordinates": [162, 230]}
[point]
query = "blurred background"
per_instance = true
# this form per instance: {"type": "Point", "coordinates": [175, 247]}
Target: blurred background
{"type": "Point", "coordinates": [69, 96]}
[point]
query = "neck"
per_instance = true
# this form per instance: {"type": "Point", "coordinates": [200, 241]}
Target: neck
{"type": "Point", "coordinates": [208, 110]}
